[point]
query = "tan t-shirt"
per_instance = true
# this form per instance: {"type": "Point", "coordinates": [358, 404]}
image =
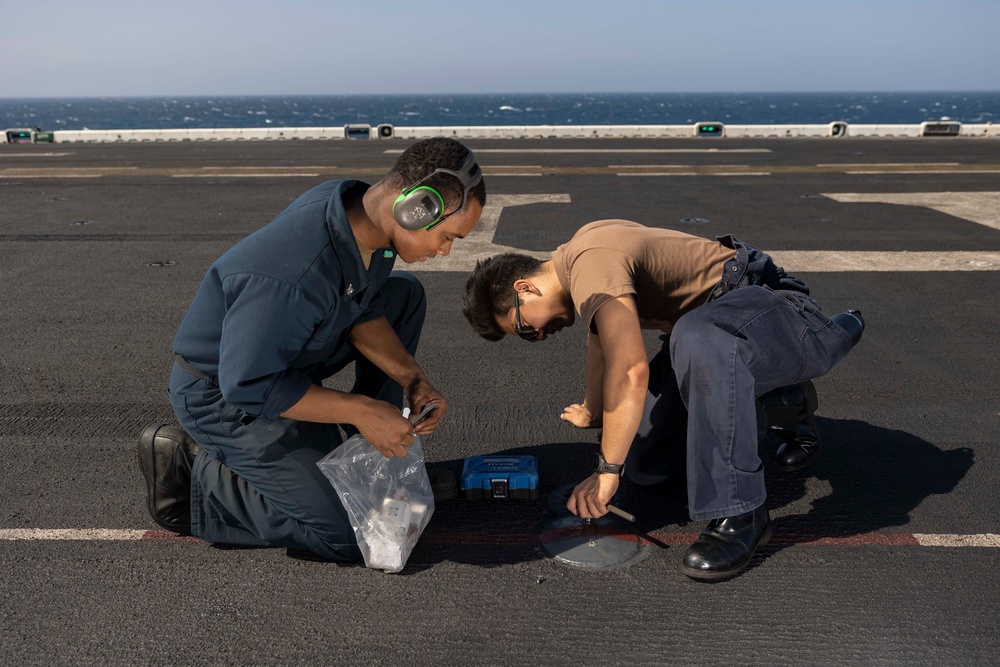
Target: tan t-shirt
{"type": "Point", "coordinates": [669, 272]}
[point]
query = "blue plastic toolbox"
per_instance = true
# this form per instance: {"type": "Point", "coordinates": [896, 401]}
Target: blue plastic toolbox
{"type": "Point", "coordinates": [500, 478]}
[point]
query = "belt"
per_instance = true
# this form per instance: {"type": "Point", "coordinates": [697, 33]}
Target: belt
{"type": "Point", "coordinates": [751, 266]}
{"type": "Point", "coordinates": [190, 368]}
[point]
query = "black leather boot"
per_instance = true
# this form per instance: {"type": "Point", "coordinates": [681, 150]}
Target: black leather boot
{"type": "Point", "coordinates": [166, 454]}
{"type": "Point", "coordinates": [727, 545]}
{"type": "Point", "coordinates": [789, 413]}
{"type": "Point", "coordinates": [790, 409]}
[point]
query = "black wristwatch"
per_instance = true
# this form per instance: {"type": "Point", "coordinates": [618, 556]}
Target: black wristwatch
{"type": "Point", "coordinates": [601, 465]}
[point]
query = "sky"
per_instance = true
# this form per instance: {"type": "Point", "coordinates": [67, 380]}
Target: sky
{"type": "Point", "coordinates": [68, 48]}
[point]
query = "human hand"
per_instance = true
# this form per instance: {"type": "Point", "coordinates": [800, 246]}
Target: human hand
{"type": "Point", "coordinates": [590, 498]}
{"type": "Point", "coordinates": [579, 415]}
{"type": "Point", "coordinates": [385, 428]}
{"type": "Point", "coordinates": [420, 395]}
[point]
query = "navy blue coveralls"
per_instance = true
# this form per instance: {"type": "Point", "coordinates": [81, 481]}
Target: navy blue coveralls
{"type": "Point", "coordinates": [759, 331]}
{"type": "Point", "coordinates": [272, 316]}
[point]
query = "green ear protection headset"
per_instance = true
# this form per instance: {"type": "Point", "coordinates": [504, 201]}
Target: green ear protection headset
{"type": "Point", "coordinates": [422, 207]}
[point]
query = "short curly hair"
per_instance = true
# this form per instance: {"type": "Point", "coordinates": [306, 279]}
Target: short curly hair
{"type": "Point", "coordinates": [489, 291]}
{"type": "Point", "coordinates": [423, 157]}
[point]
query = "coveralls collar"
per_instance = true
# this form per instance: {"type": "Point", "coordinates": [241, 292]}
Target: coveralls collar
{"type": "Point", "coordinates": [346, 246]}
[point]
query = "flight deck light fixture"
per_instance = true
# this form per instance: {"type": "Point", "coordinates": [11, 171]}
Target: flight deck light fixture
{"type": "Point", "coordinates": [709, 130]}
{"type": "Point", "coordinates": [357, 131]}
{"type": "Point", "coordinates": [19, 136]}
{"type": "Point", "coordinates": [941, 128]}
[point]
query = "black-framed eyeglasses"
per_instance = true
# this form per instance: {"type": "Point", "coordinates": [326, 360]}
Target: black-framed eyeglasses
{"type": "Point", "coordinates": [526, 333]}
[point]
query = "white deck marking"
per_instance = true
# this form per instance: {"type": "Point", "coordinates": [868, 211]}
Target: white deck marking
{"type": "Point", "coordinates": [321, 167]}
{"type": "Point", "coordinates": [479, 243]}
{"type": "Point", "coordinates": [34, 154]}
{"type": "Point", "coordinates": [871, 165]}
{"type": "Point", "coordinates": [692, 173]}
{"type": "Point", "coordinates": [678, 166]}
{"type": "Point", "coordinates": [980, 540]}
{"type": "Point", "coordinates": [979, 207]}
{"type": "Point", "coordinates": [573, 151]}
{"type": "Point", "coordinates": [795, 261]}
{"type": "Point", "coordinates": [929, 171]}
{"type": "Point", "coordinates": [89, 534]}
{"type": "Point", "coordinates": [943, 540]}
{"type": "Point", "coordinates": [271, 175]}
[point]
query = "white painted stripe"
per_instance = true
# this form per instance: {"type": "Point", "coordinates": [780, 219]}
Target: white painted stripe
{"type": "Point", "coordinates": [943, 540]}
{"type": "Point", "coordinates": [465, 254]}
{"type": "Point", "coordinates": [663, 173]}
{"type": "Point", "coordinates": [101, 534]}
{"type": "Point", "coordinates": [480, 151]}
{"type": "Point", "coordinates": [694, 173]}
{"type": "Point", "coordinates": [320, 167]}
{"type": "Point", "coordinates": [930, 171]}
{"type": "Point", "coordinates": [678, 166]}
{"type": "Point", "coordinates": [795, 261]}
{"type": "Point", "coordinates": [513, 174]}
{"type": "Point", "coordinates": [52, 176]}
{"type": "Point", "coordinates": [891, 164]}
{"type": "Point", "coordinates": [981, 540]}
{"type": "Point", "coordinates": [279, 175]}
{"type": "Point", "coordinates": [34, 154]}
{"type": "Point", "coordinates": [479, 243]}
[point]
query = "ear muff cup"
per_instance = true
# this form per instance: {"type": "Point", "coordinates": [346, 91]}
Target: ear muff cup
{"type": "Point", "coordinates": [421, 206]}
{"type": "Point", "coordinates": [418, 207]}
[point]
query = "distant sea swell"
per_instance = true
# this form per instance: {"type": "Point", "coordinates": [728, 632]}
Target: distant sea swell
{"type": "Point", "coordinates": [510, 109]}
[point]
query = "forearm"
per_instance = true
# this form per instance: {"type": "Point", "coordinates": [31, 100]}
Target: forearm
{"type": "Point", "coordinates": [328, 406]}
{"type": "Point", "coordinates": [378, 422]}
{"type": "Point", "coordinates": [594, 399]}
{"type": "Point", "coordinates": [625, 396]}
{"type": "Point", "coordinates": [624, 386]}
{"type": "Point", "coordinates": [376, 341]}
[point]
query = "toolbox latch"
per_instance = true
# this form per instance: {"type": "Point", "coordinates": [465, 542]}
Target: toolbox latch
{"type": "Point", "coordinates": [498, 488]}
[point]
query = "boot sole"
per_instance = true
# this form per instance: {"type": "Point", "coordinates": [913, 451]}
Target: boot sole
{"type": "Point", "coordinates": [701, 575]}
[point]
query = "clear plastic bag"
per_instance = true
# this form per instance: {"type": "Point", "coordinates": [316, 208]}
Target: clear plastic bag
{"type": "Point", "coordinates": [389, 501]}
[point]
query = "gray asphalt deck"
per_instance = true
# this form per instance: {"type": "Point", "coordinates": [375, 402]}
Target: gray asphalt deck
{"type": "Point", "coordinates": [103, 246]}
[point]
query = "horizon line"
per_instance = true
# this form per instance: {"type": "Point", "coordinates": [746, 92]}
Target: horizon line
{"type": "Point", "coordinates": [863, 91]}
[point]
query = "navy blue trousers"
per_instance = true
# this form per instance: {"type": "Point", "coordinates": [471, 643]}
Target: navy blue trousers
{"type": "Point", "coordinates": [701, 413]}
{"type": "Point", "coordinates": [258, 484]}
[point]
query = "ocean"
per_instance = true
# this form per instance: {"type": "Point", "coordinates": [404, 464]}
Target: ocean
{"type": "Point", "coordinates": [112, 113]}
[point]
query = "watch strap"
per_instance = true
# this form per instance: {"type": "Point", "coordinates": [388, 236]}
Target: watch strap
{"type": "Point", "coordinates": [601, 465]}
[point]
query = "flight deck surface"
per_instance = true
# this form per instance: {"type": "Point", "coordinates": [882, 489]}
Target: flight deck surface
{"type": "Point", "coordinates": [885, 552]}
